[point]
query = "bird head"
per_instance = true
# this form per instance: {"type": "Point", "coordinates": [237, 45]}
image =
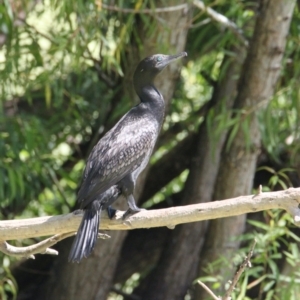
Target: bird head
{"type": "Point", "coordinates": [150, 66]}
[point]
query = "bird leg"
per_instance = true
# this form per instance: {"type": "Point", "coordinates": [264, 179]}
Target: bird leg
{"type": "Point", "coordinates": [108, 198]}
{"type": "Point", "coordinates": [77, 212]}
{"type": "Point", "coordinates": [127, 187]}
{"type": "Point", "coordinates": [132, 205]}
{"type": "Point", "coordinates": [133, 209]}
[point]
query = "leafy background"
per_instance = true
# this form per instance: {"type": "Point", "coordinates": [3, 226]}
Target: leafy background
{"type": "Point", "coordinates": [65, 80]}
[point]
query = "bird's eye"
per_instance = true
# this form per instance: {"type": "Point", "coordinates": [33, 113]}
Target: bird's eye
{"type": "Point", "coordinates": [159, 58]}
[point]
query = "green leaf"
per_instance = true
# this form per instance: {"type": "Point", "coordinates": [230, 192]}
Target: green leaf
{"type": "Point", "coordinates": [232, 135]}
{"type": "Point", "coordinates": [12, 182]}
{"type": "Point", "coordinates": [48, 95]}
{"type": "Point", "coordinates": [21, 184]}
{"type": "Point", "coordinates": [259, 225]}
{"type": "Point", "coordinates": [269, 285]}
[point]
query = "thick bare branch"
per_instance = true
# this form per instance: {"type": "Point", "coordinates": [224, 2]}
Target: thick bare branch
{"type": "Point", "coordinates": [44, 226]}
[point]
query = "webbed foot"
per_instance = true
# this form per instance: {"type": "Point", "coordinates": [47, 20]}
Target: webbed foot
{"type": "Point", "coordinates": [111, 212]}
{"type": "Point", "coordinates": [77, 212]}
{"type": "Point", "coordinates": [129, 212]}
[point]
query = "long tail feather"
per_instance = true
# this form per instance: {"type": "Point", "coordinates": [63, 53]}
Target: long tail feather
{"type": "Point", "coordinates": [86, 236]}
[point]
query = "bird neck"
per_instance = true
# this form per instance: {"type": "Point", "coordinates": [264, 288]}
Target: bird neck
{"type": "Point", "coordinates": [150, 96]}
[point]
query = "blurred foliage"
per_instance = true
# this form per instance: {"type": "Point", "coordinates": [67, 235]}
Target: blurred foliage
{"type": "Point", "coordinates": [265, 278]}
{"type": "Point", "coordinates": [8, 285]}
{"type": "Point", "coordinates": [278, 178]}
{"type": "Point", "coordinates": [61, 69]}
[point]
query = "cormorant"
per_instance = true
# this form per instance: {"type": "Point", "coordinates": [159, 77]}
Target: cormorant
{"type": "Point", "coordinates": [119, 157]}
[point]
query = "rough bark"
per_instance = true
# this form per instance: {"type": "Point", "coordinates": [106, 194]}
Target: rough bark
{"type": "Point", "coordinates": [176, 267]}
{"type": "Point", "coordinates": [256, 87]}
{"type": "Point", "coordinates": [169, 217]}
{"type": "Point", "coordinates": [92, 279]}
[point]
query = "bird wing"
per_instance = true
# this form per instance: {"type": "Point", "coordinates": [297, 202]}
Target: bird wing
{"type": "Point", "coordinates": [121, 151]}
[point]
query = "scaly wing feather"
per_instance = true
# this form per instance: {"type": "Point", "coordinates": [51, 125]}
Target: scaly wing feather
{"type": "Point", "coordinates": [121, 151]}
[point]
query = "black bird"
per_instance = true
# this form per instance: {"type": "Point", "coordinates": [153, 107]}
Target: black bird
{"type": "Point", "coordinates": [119, 157]}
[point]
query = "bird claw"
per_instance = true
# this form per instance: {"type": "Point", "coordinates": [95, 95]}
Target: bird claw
{"type": "Point", "coordinates": [111, 212]}
{"type": "Point", "coordinates": [77, 212]}
{"type": "Point", "coordinates": [103, 236]}
{"type": "Point", "coordinates": [129, 212]}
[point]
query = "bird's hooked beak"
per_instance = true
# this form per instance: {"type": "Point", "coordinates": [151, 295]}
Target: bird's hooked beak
{"type": "Point", "coordinates": [170, 58]}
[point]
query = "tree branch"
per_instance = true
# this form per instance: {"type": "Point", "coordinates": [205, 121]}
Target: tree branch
{"type": "Point", "coordinates": [208, 290]}
{"type": "Point", "coordinates": [41, 247]}
{"type": "Point", "coordinates": [214, 15]}
{"type": "Point", "coordinates": [223, 20]}
{"type": "Point", "coordinates": [246, 263]}
{"type": "Point", "coordinates": [142, 11]}
{"type": "Point", "coordinates": [65, 225]}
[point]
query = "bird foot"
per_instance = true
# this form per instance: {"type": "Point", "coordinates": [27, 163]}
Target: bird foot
{"type": "Point", "coordinates": [129, 212]}
{"type": "Point", "coordinates": [77, 212]}
{"type": "Point", "coordinates": [103, 236]}
{"type": "Point", "coordinates": [111, 212]}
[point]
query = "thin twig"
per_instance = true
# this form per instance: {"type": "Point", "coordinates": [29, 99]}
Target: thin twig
{"type": "Point", "coordinates": [208, 290]}
{"type": "Point", "coordinates": [214, 15]}
{"type": "Point", "coordinates": [246, 263]}
{"type": "Point", "coordinates": [58, 186]}
{"type": "Point", "coordinates": [97, 62]}
{"type": "Point", "coordinates": [201, 23]}
{"type": "Point", "coordinates": [142, 11]}
{"type": "Point", "coordinates": [109, 82]}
